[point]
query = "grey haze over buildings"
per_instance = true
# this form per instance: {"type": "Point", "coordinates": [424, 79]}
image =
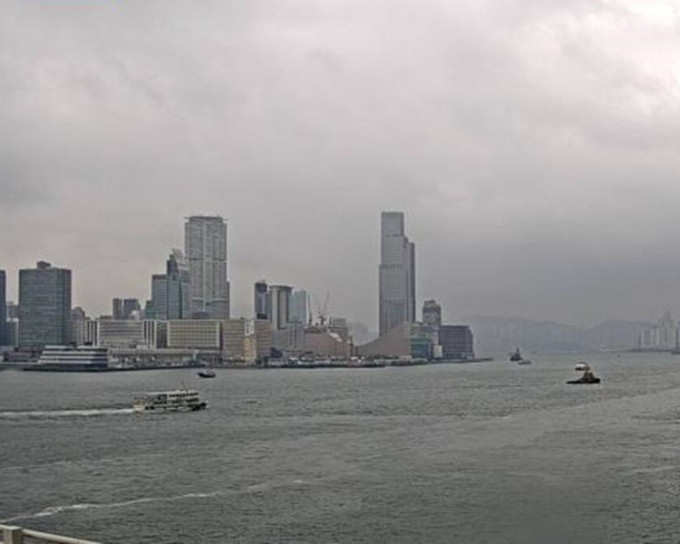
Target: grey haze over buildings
{"type": "Point", "coordinates": [532, 146]}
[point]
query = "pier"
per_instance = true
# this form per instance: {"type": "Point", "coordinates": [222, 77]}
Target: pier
{"type": "Point", "coordinates": [19, 535]}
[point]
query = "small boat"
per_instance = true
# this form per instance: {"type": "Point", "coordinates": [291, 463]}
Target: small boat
{"type": "Point", "coordinates": [524, 362]}
{"type": "Point", "coordinates": [206, 373]}
{"type": "Point", "coordinates": [588, 376]}
{"type": "Point", "coordinates": [516, 356]}
{"type": "Point", "coordinates": [180, 400]}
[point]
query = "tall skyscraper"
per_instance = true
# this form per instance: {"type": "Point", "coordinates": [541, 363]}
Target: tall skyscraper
{"type": "Point", "coordinates": [3, 308]}
{"type": "Point", "coordinates": [205, 245]}
{"type": "Point", "coordinates": [279, 306]}
{"type": "Point", "coordinates": [124, 308]}
{"type": "Point", "coordinates": [171, 292]}
{"type": "Point", "coordinates": [44, 306]}
{"type": "Point", "coordinates": [130, 306]}
{"type": "Point", "coordinates": [298, 306]}
{"type": "Point", "coordinates": [117, 309]}
{"type": "Point", "coordinates": [397, 274]}
{"type": "Point", "coordinates": [261, 299]}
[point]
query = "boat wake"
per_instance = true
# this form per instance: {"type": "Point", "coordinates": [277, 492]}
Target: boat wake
{"type": "Point", "coordinates": [28, 414]}
{"type": "Point", "coordinates": [54, 510]}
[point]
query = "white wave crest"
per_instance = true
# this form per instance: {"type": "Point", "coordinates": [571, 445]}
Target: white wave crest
{"type": "Point", "coordinates": [54, 510]}
{"type": "Point", "coordinates": [65, 413]}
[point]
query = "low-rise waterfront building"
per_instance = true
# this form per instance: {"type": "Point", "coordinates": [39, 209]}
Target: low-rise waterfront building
{"type": "Point", "coordinates": [234, 339]}
{"type": "Point", "coordinates": [456, 342]}
{"type": "Point", "coordinates": [195, 333]}
{"type": "Point", "coordinates": [394, 343]}
{"type": "Point", "coordinates": [322, 342]}
{"type": "Point", "coordinates": [121, 333]}
{"type": "Point", "coordinates": [155, 333]}
{"type": "Point", "coordinates": [261, 335]}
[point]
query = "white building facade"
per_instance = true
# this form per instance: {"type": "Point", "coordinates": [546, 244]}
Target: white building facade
{"type": "Point", "coordinates": [205, 244]}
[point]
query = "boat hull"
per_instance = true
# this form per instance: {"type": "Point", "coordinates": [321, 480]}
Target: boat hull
{"type": "Point", "coordinates": [153, 409]}
{"type": "Point", "coordinates": [584, 382]}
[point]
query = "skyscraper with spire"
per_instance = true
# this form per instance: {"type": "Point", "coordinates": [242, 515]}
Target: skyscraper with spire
{"type": "Point", "coordinates": [397, 273]}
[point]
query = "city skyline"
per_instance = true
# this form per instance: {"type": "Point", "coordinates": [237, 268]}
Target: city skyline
{"type": "Point", "coordinates": [249, 309]}
{"type": "Point", "coordinates": [536, 184]}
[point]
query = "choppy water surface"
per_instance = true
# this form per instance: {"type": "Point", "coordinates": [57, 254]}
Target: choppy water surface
{"type": "Point", "coordinates": [487, 452]}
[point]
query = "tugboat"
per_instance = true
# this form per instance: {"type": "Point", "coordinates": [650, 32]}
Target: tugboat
{"type": "Point", "coordinates": [516, 356]}
{"type": "Point", "coordinates": [588, 376]}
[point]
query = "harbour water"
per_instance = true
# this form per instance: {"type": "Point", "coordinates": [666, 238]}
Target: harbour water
{"type": "Point", "coordinates": [488, 452]}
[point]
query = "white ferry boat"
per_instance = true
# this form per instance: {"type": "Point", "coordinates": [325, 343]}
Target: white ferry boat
{"type": "Point", "coordinates": [72, 359]}
{"type": "Point", "coordinates": [181, 400]}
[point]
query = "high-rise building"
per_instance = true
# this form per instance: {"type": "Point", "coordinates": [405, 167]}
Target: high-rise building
{"type": "Point", "coordinates": [171, 292]}
{"type": "Point", "coordinates": [131, 308]}
{"type": "Point", "coordinates": [432, 313]}
{"type": "Point", "coordinates": [125, 308]}
{"type": "Point", "coordinates": [205, 245]}
{"type": "Point", "coordinates": [261, 301]}
{"type": "Point", "coordinates": [12, 324]}
{"type": "Point", "coordinates": [81, 328]}
{"type": "Point", "coordinates": [298, 306]}
{"type": "Point", "coordinates": [3, 309]}
{"type": "Point", "coordinates": [117, 309]}
{"type": "Point", "coordinates": [44, 306]}
{"type": "Point", "coordinates": [397, 298]}
{"type": "Point", "coordinates": [279, 306]}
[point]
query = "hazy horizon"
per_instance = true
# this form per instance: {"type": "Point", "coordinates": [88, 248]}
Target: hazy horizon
{"type": "Point", "coordinates": [531, 145]}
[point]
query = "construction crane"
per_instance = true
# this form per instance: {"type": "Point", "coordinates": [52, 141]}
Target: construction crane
{"type": "Point", "coordinates": [321, 310]}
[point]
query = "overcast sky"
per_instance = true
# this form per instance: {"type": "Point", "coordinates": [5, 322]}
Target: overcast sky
{"type": "Point", "coordinates": [534, 146]}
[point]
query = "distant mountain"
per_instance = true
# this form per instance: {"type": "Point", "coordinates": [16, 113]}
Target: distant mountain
{"type": "Point", "coordinates": [495, 334]}
{"type": "Point", "coordinates": [617, 334]}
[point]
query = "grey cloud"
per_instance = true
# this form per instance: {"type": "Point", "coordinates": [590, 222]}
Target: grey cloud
{"type": "Point", "coordinates": [531, 149]}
